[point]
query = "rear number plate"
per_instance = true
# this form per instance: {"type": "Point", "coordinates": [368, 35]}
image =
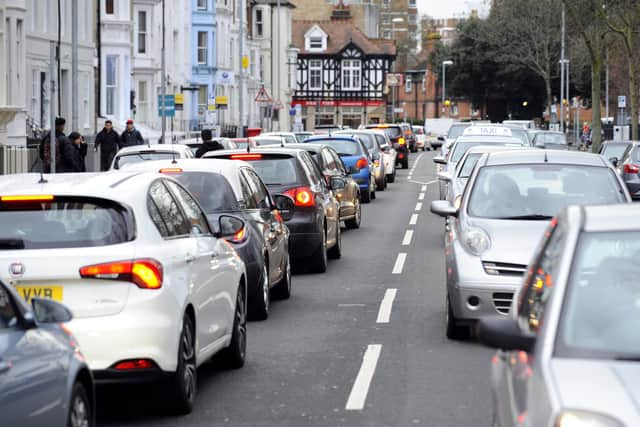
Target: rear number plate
{"type": "Point", "coordinates": [49, 292]}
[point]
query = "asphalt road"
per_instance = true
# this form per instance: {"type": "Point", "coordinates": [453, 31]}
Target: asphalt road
{"type": "Point", "coordinates": [362, 345]}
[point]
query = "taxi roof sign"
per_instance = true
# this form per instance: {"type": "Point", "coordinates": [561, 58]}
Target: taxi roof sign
{"type": "Point", "coordinates": [487, 131]}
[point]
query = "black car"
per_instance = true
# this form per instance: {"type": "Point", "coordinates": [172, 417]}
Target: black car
{"type": "Point", "coordinates": [315, 225]}
{"type": "Point", "coordinates": [233, 188]}
{"type": "Point", "coordinates": [397, 137]}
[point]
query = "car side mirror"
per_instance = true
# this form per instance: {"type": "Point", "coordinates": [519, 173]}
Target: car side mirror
{"type": "Point", "coordinates": [440, 138]}
{"type": "Point", "coordinates": [538, 144]}
{"type": "Point", "coordinates": [353, 170]}
{"type": "Point", "coordinates": [504, 333]}
{"type": "Point", "coordinates": [440, 160]}
{"type": "Point", "coordinates": [285, 206]}
{"type": "Point", "coordinates": [443, 208]}
{"type": "Point", "coordinates": [229, 226]}
{"type": "Point", "coordinates": [337, 183]}
{"type": "Point", "coordinates": [444, 176]}
{"type": "Point", "coordinates": [614, 161]}
{"type": "Point", "coordinates": [49, 311]}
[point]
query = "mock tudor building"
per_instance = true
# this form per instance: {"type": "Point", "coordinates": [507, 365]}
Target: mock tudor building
{"type": "Point", "coordinates": [341, 73]}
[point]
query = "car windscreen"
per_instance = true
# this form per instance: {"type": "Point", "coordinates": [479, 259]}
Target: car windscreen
{"type": "Point", "coordinates": [302, 136]}
{"type": "Point", "coordinates": [367, 139]}
{"type": "Point", "coordinates": [457, 130]}
{"type": "Point", "coordinates": [601, 312]}
{"type": "Point", "coordinates": [610, 150]}
{"type": "Point", "coordinates": [64, 222]}
{"type": "Point", "coordinates": [342, 146]}
{"type": "Point", "coordinates": [551, 138]}
{"type": "Point", "coordinates": [268, 141]}
{"type": "Point", "coordinates": [392, 132]}
{"type": "Point", "coordinates": [540, 191]}
{"type": "Point", "coordinates": [521, 134]}
{"type": "Point", "coordinates": [469, 163]}
{"type": "Point", "coordinates": [277, 170]}
{"type": "Point", "coordinates": [461, 147]}
{"type": "Point", "coordinates": [418, 130]}
{"type": "Point", "coordinates": [242, 144]}
{"type": "Point", "coordinates": [131, 158]}
{"type": "Point", "coordinates": [212, 190]}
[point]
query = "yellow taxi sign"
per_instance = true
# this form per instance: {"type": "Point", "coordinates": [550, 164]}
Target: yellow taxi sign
{"type": "Point", "coordinates": [245, 62]}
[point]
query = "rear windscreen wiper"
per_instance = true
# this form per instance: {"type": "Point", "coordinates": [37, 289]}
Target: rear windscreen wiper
{"type": "Point", "coordinates": [11, 244]}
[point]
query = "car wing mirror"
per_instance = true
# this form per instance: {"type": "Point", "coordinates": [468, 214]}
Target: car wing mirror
{"type": "Point", "coordinates": [504, 333]}
{"type": "Point", "coordinates": [440, 160]}
{"type": "Point", "coordinates": [285, 206]}
{"type": "Point", "coordinates": [337, 183]}
{"type": "Point", "coordinates": [614, 161]}
{"type": "Point", "coordinates": [229, 226]}
{"type": "Point", "coordinates": [444, 176]}
{"type": "Point", "coordinates": [49, 311]}
{"type": "Point", "coordinates": [443, 208]}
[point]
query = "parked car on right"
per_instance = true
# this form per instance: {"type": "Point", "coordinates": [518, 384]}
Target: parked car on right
{"type": "Point", "coordinates": [629, 168]}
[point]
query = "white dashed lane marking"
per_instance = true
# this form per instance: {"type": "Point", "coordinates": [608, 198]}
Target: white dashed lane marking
{"type": "Point", "coordinates": [358, 395]}
{"type": "Point", "coordinates": [408, 235]}
{"type": "Point", "coordinates": [384, 314]}
{"type": "Point", "coordinates": [399, 265]}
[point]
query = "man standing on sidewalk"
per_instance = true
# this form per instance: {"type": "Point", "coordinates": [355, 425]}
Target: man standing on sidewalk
{"type": "Point", "coordinates": [109, 143]}
{"type": "Point", "coordinates": [131, 136]}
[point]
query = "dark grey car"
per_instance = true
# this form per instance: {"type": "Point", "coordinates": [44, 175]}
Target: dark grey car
{"type": "Point", "coordinates": [629, 169]}
{"type": "Point", "coordinates": [614, 150]}
{"type": "Point", "coordinates": [44, 380]}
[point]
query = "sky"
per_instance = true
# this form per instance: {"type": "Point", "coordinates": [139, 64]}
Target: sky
{"type": "Point", "coordinates": [451, 8]}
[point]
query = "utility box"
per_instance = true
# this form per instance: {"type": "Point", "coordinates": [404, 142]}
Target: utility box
{"type": "Point", "coordinates": [621, 133]}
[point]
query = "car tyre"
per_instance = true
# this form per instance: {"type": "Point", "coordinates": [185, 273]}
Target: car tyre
{"type": "Point", "coordinates": [80, 408]}
{"type": "Point", "coordinates": [373, 195]}
{"type": "Point", "coordinates": [405, 164]}
{"type": "Point", "coordinates": [320, 257]}
{"type": "Point", "coordinates": [454, 332]}
{"type": "Point", "coordinates": [382, 186]}
{"type": "Point", "coordinates": [283, 289]}
{"type": "Point", "coordinates": [365, 196]}
{"type": "Point", "coordinates": [183, 383]}
{"type": "Point", "coordinates": [234, 355]}
{"type": "Point", "coordinates": [336, 251]}
{"type": "Point", "coordinates": [391, 177]}
{"type": "Point", "coordinates": [354, 222]}
{"type": "Point", "coordinates": [259, 310]}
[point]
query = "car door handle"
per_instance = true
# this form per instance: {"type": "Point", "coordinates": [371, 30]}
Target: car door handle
{"type": "Point", "coordinates": [189, 258]}
{"type": "Point", "coordinates": [4, 366]}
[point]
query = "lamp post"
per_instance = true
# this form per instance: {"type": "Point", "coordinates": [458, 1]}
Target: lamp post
{"type": "Point", "coordinates": [445, 64]}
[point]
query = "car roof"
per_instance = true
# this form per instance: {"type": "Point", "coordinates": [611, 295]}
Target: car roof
{"type": "Point", "coordinates": [489, 139]}
{"type": "Point", "coordinates": [544, 156]}
{"type": "Point", "coordinates": [256, 150]}
{"type": "Point", "coordinates": [383, 125]}
{"type": "Point", "coordinates": [482, 149]}
{"type": "Point", "coordinates": [342, 137]}
{"type": "Point", "coordinates": [622, 217]}
{"type": "Point", "coordinates": [154, 147]}
{"type": "Point", "coordinates": [221, 166]}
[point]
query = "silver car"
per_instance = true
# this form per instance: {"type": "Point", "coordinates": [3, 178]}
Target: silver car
{"type": "Point", "coordinates": [570, 352]}
{"type": "Point", "coordinates": [509, 199]}
{"type": "Point", "coordinates": [389, 154]}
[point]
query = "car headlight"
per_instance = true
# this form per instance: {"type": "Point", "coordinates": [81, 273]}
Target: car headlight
{"type": "Point", "coordinates": [476, 241]}
{"type": "Point", "coordinates": [585, 419]}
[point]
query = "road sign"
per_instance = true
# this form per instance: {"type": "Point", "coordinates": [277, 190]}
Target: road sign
{"type": "Point", "coordinates": [554, 108]}
{"type": "Point", "coordinates": [292, 112]}
{"type": "Point", "coordinates": [222, 102]}
{"type": "Point", "coordinates": [394, 79]}
{"type": "Point", "coordinates": [622, 101]}
{"type": "Point", "coordinates": [398, 110]}
{"type": "Point", "coordinates": [169, 106]}
{"type": "Point", "coordinates": [179, 101]}
{"type": "Point", "coordinates": [263, 96]}
{"type": "Point", "coordinates": [224, 77]}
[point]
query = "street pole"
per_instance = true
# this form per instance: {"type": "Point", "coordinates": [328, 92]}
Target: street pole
{"type": "Point", "coordinates": [52, 107]}
{"type": "Point", "coordinates": [163, 79]}
{"type": "Point", "coordinates": [393, 104]}
{"type": "Point", "coordinates": [444, 84]}
{"type": "Point", "coordinates": [606, 89]}
{"type": "Point", "coordinates": [567, 74]}
{"type": "Point", "coordinates": [240, 131]}
{"type": "Point", "coordinates": [74, 65]}
{"type": "Point", "coordinates": [562, 64]}
{"type": "Point", "coordinates": [278, 29]}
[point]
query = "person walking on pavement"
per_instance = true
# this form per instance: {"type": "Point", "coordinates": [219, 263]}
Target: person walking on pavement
{"type": "Point", "coordinates": [45, 147]}
{"type": "Point", "coordinates": [131, 136]}
{"type": "Point", "coordinates": [74, 154]}
{"type": "Point", "coordinates": [109, 142]}
{"type": "Point", "coordinates": [207, 143]}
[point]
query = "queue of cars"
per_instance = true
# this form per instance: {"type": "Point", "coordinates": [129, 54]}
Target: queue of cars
{"type": "Point", "coordinates": [540, 253]}
{"type": "Point", "coordinates": [145, 272]}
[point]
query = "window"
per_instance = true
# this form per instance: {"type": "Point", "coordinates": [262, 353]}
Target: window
{"type": "Point", "coordinates": [108, 8]}
{"type": "Point", "coordinates": [258, 23]}
{"type": "Point", "coordinates": [143, 101]}
{"type": "Point", "coordinates": [386, 19]}
{"type": "Point", "coordinates": [111, 83]}
{"type": "Point", "coordinates": [351, 74]}
{"type": "Point", "coordinates": [213, 191]}
{"type": "Point", "coordinates": [261, 68]}
{"type": "Point", "coordinates": [315, 74]}
{"type": "Point", "coordinates": [196, 217]}
{"type": "Point", "coordinates": [202, 47]}
{"type": "Point", "coordinates": [407, 84]}
{"type": "Point", "coordinates": [424, 83]}
{"type": "Point", "coordinates": [35, 94]}
{"type": "Point", "coordinates": [165, 212]}
{"type": "Point", "coordinates": [142, 31]}
{"type": "Point", "coordinates": [315, 42]}
{"type": "Point", "coordinates": [261, 194]}
{"type": "Point", "coordinates": [412, 3]}
{"type": "Point", "coordinates": [202, 4]}
{"type": "Point", "coordinates": [203, 96]}
{"type": "Point", "coordinates": [386, 34]}
{"type": "Point", "coordinates": [412, 19]}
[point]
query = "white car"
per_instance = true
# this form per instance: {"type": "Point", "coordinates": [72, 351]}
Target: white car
{"type": "Point", "coordinates": [422, 143]}
{"type": "Point", "coordinates": [287, 137]}
{"type": "Point", "coordinates": [389, 154]}
{"type": "Point", "coordinates": [153, 291]}
{"type": "Point", "coordinates": [141, 153]}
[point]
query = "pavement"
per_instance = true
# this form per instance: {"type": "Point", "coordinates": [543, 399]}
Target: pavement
{"type": "Point", "coordinates": [361, 345]}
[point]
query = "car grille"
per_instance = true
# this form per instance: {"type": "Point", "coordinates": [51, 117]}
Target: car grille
{"type": "Point", "coordinates": [503, 268]}
{"type": "Point", "coordinates": [502, 302]}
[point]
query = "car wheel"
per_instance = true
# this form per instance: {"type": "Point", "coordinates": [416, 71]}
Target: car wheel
{"type": "Point", "coordinates": [373, 195]}
{"type": "Point", "coordinates": [234, 355]}
{"type": "Point", "coordinates": [454, 332]}
{"type": "Point", "coordinates": [405, 164]}
{"type": "Point", "coordinates": [383, 185]}
{"type": "Point", "coordinates": [80, 410]}
{"type": "Point", "coordinates": [336, 251]}
{"type": "Point", "coordinates": [184, 381]}
{"type": "Point", "coordinates": [365, 196]}
{"type": "Point", "coordinates": [259, 310]}
{"type": "Point", "coordinates": [283, 289]}
{"type": "Point", "coordinates": [391, 177]}
{"type": "Point", "coordinates": [357, 218]}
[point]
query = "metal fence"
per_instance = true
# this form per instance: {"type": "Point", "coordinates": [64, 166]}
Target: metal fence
{"type": "Point", "coordinates": [26, 159]}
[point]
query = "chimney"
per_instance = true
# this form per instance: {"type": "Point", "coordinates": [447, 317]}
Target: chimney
{"type": "Point", "coordinates": [341, 12]}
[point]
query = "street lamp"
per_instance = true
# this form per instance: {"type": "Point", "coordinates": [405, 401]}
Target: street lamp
{"type": "Point", "coordinates": [445, 64]}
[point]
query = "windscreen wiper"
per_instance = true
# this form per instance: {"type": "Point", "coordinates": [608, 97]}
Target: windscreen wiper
{"type": "Point", "coordinates": [11, 244]}
{"type": "Point", "coordinates": [529, 217]}
{"type": "Point", "coordinates": [628, 358]}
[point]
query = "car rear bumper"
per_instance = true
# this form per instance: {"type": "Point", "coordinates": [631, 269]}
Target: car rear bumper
{"type": "Point", "coordinates": [303, 245]}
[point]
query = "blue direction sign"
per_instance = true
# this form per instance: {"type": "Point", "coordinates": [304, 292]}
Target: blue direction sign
{"type": "Point", "coordinates": [169, 106]}
{"type": "Point", "coordinates": [292, 112]}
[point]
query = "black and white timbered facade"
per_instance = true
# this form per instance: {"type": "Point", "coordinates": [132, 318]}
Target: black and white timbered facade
{"type": "Point", "coordinates": [340, 73]}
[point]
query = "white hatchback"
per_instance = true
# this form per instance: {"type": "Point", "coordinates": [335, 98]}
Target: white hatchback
{"type": "Point", "coordinates": [153, 291]}
{"type": "Point", "coordinates": [140, 153]}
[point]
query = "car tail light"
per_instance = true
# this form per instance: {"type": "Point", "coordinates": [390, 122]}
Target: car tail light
{"type": "Point", "coordinates": [400, 156]}
{"type": "Point", "coordinates": [302, 196]}
{"type": "Point", "coordinates": [28, 198]}
{"type": "Point", "coordinates": [239, 237]}
{"type": "Point", "coordinates": [362, 163]}
{"type": "Point", "coordinates": [129, 365]}
{"type": "Point", "coordinates": [246, 156]}
{"type": "Point", "coordinates": [401, 141]}
{"type": "Point", "coordinates": [630, 168]}
{"type": "Point", "coordinates": [145, 273]}
{"type": "Point", "coordinates": [171, 170]}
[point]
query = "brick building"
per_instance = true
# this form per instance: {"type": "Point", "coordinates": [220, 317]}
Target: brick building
{"type": "Point", "coordinates": [365, 13]}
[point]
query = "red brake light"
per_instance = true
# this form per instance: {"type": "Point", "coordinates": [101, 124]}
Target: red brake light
{"type": "Point", "coordinates": [630, 168]}
{"type": "Point", "coordinates": [28, 198]}
{"type": "Point", "coordinates": [401, 141]}
{"type": "Point", "coordinates": [302, 196]}
{"type": "Point", "coordinates": [246, 156]}
{"type": "Point", "coordinates": [171, 170]}
{"type": "Point", "coordinates": [362, 163]}
{"type": "Point", "coordinates": [144, 273]}
{"type": "Point", "coordinates": [129, 365]}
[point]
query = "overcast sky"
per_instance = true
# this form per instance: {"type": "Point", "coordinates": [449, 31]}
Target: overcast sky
{"type": "Point", "coordinates": [451, 8]}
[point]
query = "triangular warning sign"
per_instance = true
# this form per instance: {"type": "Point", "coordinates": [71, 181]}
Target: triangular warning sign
{"type": "Point", "coordinates": [263, 96]}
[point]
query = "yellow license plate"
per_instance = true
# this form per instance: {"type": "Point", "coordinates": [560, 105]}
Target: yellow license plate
{"type": "Point", "coordinates": [50, 292]}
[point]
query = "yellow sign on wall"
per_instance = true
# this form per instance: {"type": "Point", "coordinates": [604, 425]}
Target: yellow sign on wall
{"type": "Point", "coordinates": [245, 62]}
{"type": "Point", "coordinates": [179, 98]}
{"type": "Point", "coordinates": [222, 100]}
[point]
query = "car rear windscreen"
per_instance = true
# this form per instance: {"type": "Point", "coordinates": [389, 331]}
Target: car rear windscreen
{"type": "Point", "coordinates": [279, 170]}
{"type": "Point", "coordinates": [268, 141]}
{"type": "Point", "coordinates": [64, 222]}
{"type": "Point", "coordinates": [212, 190]}
{"type": "Point", "coordinates": [131, 158]}
{"type": "Point", "coordinates": [392, 132]}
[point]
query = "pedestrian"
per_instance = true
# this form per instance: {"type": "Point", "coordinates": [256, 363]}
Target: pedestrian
{"type": "Point", "coordinates": [208, 144]}
{"type": "Point", "coordinates": [74, 154]}
{"type": "Point", "coordinates": [45, 147]}
{"type": "Point", "coordinates": [131, 136]}
{"type": "Point", "coordinates": [109, 143]}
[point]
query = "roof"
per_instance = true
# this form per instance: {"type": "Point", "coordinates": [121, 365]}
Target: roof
{"type": "Point", "coordinates": [331, 136]}
{"type": "Point", "coordinates": [282, 3]}
{"type": "Point", "coordinates": [340, 33]}
{"type": "Point", "coordinates": [538, 156]}
{"type": "Point", "coordinates": [176, 148]}
{"type": "Point", "coordinates": [623, 217]}
{"type": "Point", "coordinates": [256, 150]}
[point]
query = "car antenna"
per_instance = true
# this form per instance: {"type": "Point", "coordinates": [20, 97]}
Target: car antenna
{"type": "Point", "coordinates": [173, 154]}
{"type": "Point", "coordinates": [546, 160]}
{"type": "Point", "coordinates": [248, 146]}
{"type": "Point", "coordinates": [42, 180]}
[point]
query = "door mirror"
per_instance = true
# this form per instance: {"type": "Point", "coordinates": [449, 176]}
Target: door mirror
{"type": "Point", "coordinates": [229, 226]}
{"type": "Point", "coordinates": [375, 155]}
{"type": "Point", "coordinates": [441, 138]}
{"type": "Point", "coordinates": [49, 311]}
{"type": "Point", "coordinates": [440, 160]}
{"type": "Point", "coordinates": [503, 333]}
{"type": "Point", "coordinates": [285, 206]}
{"type": "Point", "coordinates": [443, 208]}
{"type": "Point", "coordinates": [353, 170]}
{"type": "Point", "coordinates": [337, 183]}
{"type": "Point", "coordinates": [614, 161]}
{"type": "Point", "coordinates": [444, 176]}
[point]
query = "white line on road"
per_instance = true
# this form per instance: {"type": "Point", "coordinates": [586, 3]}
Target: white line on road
{"type": "Point", "coordinates": [423, 188]}
{"type": "Point", "coordinates": [384, 314]}
{"type": "Point", "coordinates": [432, 182]}
{"type": "Point", "coordinates": [421, 196]}
{"type": "Point", "coordinates": [358, 395]}
{"type": "Point", "coordinates": [399, 265]}
{"type": "Point", "coordinates": [408, 235]}
{"type": "Point", "coordinates": [418, 206]}
{"type": "Point", "coordinates": [414, 219]}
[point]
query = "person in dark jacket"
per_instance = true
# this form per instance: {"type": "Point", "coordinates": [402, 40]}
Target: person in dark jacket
{"type": "Point", "coordinates": [109, 142]}
{"type": "Point", "coordinates": [131, 136]}
{"type": "Point", "coordinates": [45, 147]}
{"type": "Point", "coordinates": [207, 143]}
{"type": "Point", "coordinates": [74, 154]}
